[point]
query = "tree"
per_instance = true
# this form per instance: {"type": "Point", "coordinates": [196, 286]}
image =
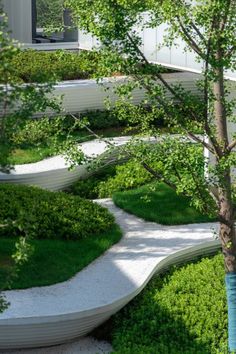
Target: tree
{"type": "Point", "coordinates": [208, 29]}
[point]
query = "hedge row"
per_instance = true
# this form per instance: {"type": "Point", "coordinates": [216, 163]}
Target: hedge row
{"type": "Point", "coordinates": [49, 215]}
{"type": "Point", "coordinates": [38, 66]}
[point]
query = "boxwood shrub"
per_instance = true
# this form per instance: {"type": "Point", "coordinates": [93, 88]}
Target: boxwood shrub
{"type": "Point", "coordinates": [182, 312]}
{"type": "Point", "coordinates": [49, 215]}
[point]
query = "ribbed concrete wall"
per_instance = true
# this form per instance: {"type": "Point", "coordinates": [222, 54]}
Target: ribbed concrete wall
{"type": "Point", "coordinates": [84, 95]}
{"type": "Point", "coordinates": [50, 330]}
{"type": "Point", "coordinates": [53, 180]}
{"type": "Point", "coordinates": [87, 95]}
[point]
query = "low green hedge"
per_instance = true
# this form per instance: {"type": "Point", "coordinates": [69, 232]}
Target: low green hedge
{"type": "Point", "coordinates": [49, 215]}
{"type": "Point", "coordinates": [182, 312]}
{"type": "Point", "coordinates": [38, 66]}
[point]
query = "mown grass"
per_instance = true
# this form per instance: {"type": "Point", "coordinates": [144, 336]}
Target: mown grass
{"type": "Point", "coordinates": [54, 261]}
{"type": "Point", "coordinates": [159, 203]}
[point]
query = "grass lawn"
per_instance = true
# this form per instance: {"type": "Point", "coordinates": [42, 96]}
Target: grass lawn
{"type": "Point", "coordinates": [54, 261]}
{"type": "Point", "coordinates": [181, 312]}
{"type": "Point", "coordinates": [159, 204]}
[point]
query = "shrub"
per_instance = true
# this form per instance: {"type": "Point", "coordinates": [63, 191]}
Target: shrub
{"type": "Point", "coordinates": [183, 312]}
{"type": "Point", "coordinates": [103, 119]}
{"type": "Point", "coordinates": [44, 214]}
{"type": "Point", "coordinates": [89, 188]}
{"type": "Point", "coordinates": [38, 66]}
{"type": "Point", "coordinates": [128, 176]}
{"type": "Point", "coordinates": [114, 179]}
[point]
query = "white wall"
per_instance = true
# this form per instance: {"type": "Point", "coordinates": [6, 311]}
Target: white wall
{"type": "Point", "coordinates": [174, 57]}
{"type": "Point", "coordinates": [20, 19]}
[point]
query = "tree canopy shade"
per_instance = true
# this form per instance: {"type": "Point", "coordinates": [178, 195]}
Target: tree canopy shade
{"type": "Point", "coordinates": [208, 28]}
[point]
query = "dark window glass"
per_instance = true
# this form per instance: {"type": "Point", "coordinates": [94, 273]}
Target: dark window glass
{"type": "Point", "coordinates": [51, 22]}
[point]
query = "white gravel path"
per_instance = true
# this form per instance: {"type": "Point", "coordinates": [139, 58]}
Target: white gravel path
{"type": "Point", "coordinates": [119, 272]}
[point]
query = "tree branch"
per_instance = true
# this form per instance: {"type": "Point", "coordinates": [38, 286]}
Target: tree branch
{"type": "Point", "coordinates": [191, 42]}
{"type": "Point", "coordinates": [231, 146]}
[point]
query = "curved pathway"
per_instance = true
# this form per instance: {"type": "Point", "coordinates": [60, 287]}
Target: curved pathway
{"type": "Point", "coordinates": [53, 314]}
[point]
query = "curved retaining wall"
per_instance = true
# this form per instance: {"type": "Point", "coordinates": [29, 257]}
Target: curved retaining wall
{"type": "Point", "coordinates": [51, 330]}
{"type": "Point", "coordinates": [87, 95]}
{"type": "Point", "coordinates": [53, 180]}
{"type": "Point", "coordinates": [53, 173]}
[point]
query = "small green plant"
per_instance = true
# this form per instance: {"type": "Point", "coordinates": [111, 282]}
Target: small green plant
{"type": "Point", "coordinates": [128, 176]}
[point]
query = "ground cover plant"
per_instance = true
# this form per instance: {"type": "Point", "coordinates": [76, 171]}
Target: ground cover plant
{"type": "Point", "coordinates": [38, 66]}
{"type": "Point", "coordinates": [65, 232]}
{"type": "Point", "coordinates": [175, 313]}
{"type": "Point", "coordinates": [159, 203]}
{"type": "Point", "coordinates": [49, 215]}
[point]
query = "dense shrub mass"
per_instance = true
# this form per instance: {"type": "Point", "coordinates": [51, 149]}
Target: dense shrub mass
{"type": "Point", "coordinates": [183, 312]}
{"type": "Point", "coordinates": [44, 214]}
{"type": "Point", "coordinates": [103, 119]}
{"type": "Point", "coordinates": [105, 183]}
{"type": "Point", "coordinates": [38, 66]}
{"type": "Point", "coordinates": [47, 66]}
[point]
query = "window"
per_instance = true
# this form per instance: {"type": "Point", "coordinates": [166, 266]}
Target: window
{"type": "Point", "coordinates": [51, 22]}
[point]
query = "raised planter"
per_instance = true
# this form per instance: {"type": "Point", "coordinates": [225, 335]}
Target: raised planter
{"type": "Point", "coordinates": [53, 173]}
{"type": "Point", "coordinates": [85, 95]}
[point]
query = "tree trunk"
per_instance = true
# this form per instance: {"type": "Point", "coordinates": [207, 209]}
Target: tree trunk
{"type": "Point", "coordinates": [226, 209]}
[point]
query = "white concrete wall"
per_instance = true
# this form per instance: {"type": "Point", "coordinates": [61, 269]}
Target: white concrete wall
{"type": "Point", "coordinates": [20, 15]}
{"type": "Point", "coordinates": [174, 57]}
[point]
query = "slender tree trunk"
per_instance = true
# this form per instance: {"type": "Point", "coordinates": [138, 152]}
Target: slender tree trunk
{"type": "Point", "coordinates": [226, 209]}
{"type": "Point", "coordinates": [227, 228]}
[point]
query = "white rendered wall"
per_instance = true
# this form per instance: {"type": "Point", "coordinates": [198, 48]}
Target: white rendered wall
{"type": "Point", "coordinates": [20, 19]}
{"type": "Point", "coordinates": [174, 57]}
